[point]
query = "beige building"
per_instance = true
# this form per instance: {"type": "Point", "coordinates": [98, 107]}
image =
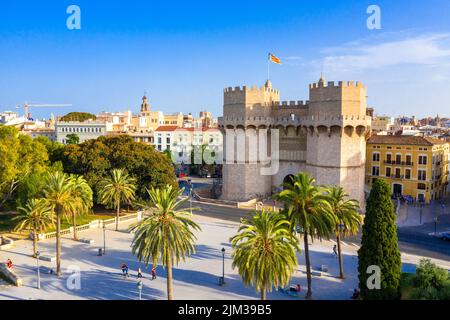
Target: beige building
{"type": "Point", "coordinates": [325, 136]}
{"type": "Point", "coordinates": [415, 167]}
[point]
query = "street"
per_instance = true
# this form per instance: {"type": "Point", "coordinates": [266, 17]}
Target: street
{"type": "Point", "coordinates": [412, 240]}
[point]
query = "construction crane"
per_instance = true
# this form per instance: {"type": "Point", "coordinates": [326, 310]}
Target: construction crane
{"type": "Point", "coordinates": [27, 106]}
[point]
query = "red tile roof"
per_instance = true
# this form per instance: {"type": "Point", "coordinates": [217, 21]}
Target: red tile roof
{"type": "Point", "coordinates": [405, 140]}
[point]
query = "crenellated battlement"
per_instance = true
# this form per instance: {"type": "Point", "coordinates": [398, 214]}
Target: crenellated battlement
{"type": "Point", "coordinates": [255, 89]}
{"type": "Point", "coordinates": [333, 84]}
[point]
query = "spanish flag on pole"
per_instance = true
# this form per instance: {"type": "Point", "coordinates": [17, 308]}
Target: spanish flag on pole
{"type": "Point", "coordinates": [274, 59]}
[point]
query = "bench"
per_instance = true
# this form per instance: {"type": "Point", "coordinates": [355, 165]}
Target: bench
{"type": "Point", "coordinates": [47, 258]}
{"type": "Point", "coordinates": [87, 241]}
{"type": "Point", "coordinates": [6, 243]}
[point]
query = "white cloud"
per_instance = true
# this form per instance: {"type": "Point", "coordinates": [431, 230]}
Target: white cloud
{"type": "Point", "coordinates": [359, 56]}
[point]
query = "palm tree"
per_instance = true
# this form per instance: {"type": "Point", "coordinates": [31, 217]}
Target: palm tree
{"type": "Point", "coordinates": [59, 197]}
{"type": "Point", "coordinates": [347, 218]}
{"type": "Point", "coordinates": [117, 189]}
{"type": "Point", "coordinates": [309, 211]}
{"type": "Point", "coordinates": [166, 234]}
{"type": "Point", "coordinates": [36, 216]}
{"type": "Point", "coordinates": [264, 251]}
{"type": "Point", "coordinates": [82, 200]}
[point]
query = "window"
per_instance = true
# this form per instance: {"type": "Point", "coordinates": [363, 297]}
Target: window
{"type": "Point", "coordinates": [388, 158]}
{"type": "Point", "coordinates": [159, 140]}
{"type": "Point", "coordinates": [376, 171]}
{"type": "Point", "coordinates": [376, 157]}
{"type": "Point", "coordinates": [408, 159]}
{"type": "Point", "coordinates": [421, 186]}
{"type": "Point", "coordinates": [398, 158]}
{"type": "Point", "coordinates": [407, 173]}
{"type": "Point", "coordinates": [398, 174]}
{"type": "Point", "coordinates": [388, 172]}
{"type": "Point", "coordinates": [422, 175]}
{"type": "Point", "coordinates": [423, 160]}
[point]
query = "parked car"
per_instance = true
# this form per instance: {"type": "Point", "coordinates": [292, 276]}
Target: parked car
{"type": "Point", "coordinates": [445, 236]}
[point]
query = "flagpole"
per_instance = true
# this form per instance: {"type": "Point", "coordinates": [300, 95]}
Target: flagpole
{"type": "Point", "coordinates": [268, 67]}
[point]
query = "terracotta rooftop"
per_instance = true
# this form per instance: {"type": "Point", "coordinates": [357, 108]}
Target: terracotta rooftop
{"type": "Point", "coordinates": [405, 140]}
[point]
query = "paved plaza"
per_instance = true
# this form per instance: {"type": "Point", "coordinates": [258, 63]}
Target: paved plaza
{"type": "Point", "coordinates": [197, 278]}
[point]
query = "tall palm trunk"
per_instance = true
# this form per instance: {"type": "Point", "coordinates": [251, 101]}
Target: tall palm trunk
{"type": "Point", "coordinates": [34, 243]}
{"type": "Point", "coordinates": [263, 293]}
{"type": "Point", "coordinates": [341, 268]}
{"type": "Point", "coordinates": [169, 279]}
{"type": "Point", "coordinates": [58, 242]}
{"type": "Point", "coordinates": [74, 224]}
{"type": "Point", "coordinates": [308, 265]}
{"type": "Point", "coordinates": [117, 215]}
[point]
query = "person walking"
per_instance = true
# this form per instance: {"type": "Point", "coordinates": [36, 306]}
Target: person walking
{"type": "Point", "coordinates": [335, 251]}
{"type": "Point", "coordinates": [153, 273]}
{"type": "Point", "coordinates": [124, 268]}
{"type": "Point", "coordinates": [139, 273]}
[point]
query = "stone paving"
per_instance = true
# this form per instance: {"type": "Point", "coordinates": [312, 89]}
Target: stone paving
{"type": "Point", "coordinates": [197, 278]}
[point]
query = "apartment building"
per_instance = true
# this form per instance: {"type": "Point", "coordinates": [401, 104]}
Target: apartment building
{"type": "Point", "coordinates": [415, 167]}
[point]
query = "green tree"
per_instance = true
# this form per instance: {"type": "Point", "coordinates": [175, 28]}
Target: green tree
{"type": "Point", "coordinates": [35, 216]}
{"type": "Point", "coordinates": [72, 139]}
{"type": "Point", "coordinates": [95, 159]}
{"type": "Point", "coordinates": [78, 116]}
{"type": "Point", "coordinates": [430, 275]}
{"type": "Point", "coordinates": [166, 234]}
{"type": "Point", "coordinates": [117, 189]}
{"type": "Point", "coordinates": [347, 218]}
{"type": "Point", "coordinates": [379, 245]}
{"type": "Point", "coordinates": [309, 211]}
{"type": "Point", "coordinates": [59, 197]}
{"type": "Point", "coordinates": [264, 251]}
{"type": "Point", "coordinates": [81, 200]}
{"type": "Point", "coordinates": [20, 156]}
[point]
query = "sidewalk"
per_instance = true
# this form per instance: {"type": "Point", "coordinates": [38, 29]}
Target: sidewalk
{"type": "Point", "coordinates": [197, 278]}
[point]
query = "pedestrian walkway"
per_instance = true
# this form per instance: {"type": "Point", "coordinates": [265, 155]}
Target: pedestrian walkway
{"type": "Point", "coordinates": [197, 278]}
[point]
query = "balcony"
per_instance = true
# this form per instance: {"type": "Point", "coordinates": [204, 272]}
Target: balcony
{"type": "Point", "coordinates": [399, 163]}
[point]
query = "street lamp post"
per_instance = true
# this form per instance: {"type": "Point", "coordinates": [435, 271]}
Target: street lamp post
{"type": "Point", "coordinates": [140, 286]}
{"type": "Point", "coordinates": [435, 225]}
{"type": "Point", "coordinates": [223, 266]}
{"type": "Point", "coordinates": [38, 272]}
{"type": "Point", "coordinates": [190, 195]}
{"type": "Point", "coordinates": [104, 238]}
{"type": "Point", "coordinates": [421, 206]}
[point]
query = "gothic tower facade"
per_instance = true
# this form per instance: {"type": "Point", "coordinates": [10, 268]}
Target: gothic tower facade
{"type": "Point", "coordinates": [325, 136]}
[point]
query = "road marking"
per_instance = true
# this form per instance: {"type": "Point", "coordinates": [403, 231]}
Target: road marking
{"type": "Point", "coordinates": [355, 245]}
{"type": "Point", "coordinates": [333, 242]}
{"type": "Point", "coordinates": [344, 243]}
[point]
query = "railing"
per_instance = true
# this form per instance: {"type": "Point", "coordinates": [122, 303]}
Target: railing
{"type": "Point", "coordinates": [399, 163]}
{"type": "Point", "coordinates": [92, 225]}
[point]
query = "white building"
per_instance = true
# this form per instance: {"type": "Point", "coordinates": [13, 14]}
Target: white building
{"type": "Point", "coordinates": [85, 130]}
{"type": "Point", "coordinates": [181, 141]}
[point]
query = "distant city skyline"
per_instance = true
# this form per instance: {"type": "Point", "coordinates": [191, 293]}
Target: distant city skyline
{"type": "Point", "coordinates": [184, 53]}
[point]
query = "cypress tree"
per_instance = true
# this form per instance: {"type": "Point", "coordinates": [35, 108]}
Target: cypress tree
{"type": "Point", "coordinates": [379, 245]}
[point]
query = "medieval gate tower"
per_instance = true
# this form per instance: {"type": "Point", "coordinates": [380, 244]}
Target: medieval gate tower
{"type": "Point", "coordinates": [325, 136]}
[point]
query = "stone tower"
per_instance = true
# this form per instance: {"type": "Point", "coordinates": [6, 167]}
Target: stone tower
{"type": "Point", "coordinates": [337, 126]}
{"type": "Point", "coordinates": [325, 136]}
{"type": "Point", "coordinates": [145, 107]}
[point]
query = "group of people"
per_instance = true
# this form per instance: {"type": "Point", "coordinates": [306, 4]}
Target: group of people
{"type": "Point", "coordinates": [125, 269]}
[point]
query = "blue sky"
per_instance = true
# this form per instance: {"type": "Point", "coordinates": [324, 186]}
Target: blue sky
{"type": "Point", "coordinates": [183, 53]}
